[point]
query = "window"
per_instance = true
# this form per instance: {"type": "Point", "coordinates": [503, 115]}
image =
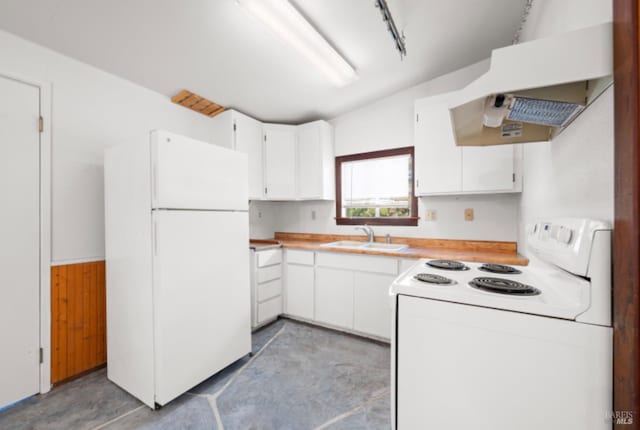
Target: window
{"type": "Point", "coordinates": [376, 188]}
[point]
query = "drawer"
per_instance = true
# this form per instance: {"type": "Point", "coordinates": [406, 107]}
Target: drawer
{"type": "Point", "coordinates": [269, 257]}
{"type": "Point", "coordinates": [269, 309]}
{"type": "Point", "coordinates": [300, 257]}
{"type": "Point", "coordinates": [269, 290]}
{"type": "Point", "coordinates": [265, 274]}
{"type": "Point", "coordinates": [364, 263]}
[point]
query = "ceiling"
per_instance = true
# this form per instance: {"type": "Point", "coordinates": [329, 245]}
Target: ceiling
{"type": "Point", "coordinates": [216, 49]}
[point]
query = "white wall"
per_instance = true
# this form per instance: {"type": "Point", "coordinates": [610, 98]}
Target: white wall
{"type": "Point", "coordinates": [573, 174]}
{"type": "Point", "coordinates": [388, 123]}
{"type": "Point", "coordinates": [549, 17]}
{"type": "Point", "coordinates": [91, 109]}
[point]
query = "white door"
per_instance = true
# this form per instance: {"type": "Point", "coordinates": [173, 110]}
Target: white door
{"type": "Point", "coordinates": [248, 139]}
{"type": "Point", "coordinates": [300, 291]}
{"type": "Point", "coordinates": [371, 304]}
{"type": "Point", "coordinates": [488, 168]}
{"type": "Point", "coordinates": [19, 240]}
{"type": "Point", "coordinates": [334, 297]}
{"type": "Point", "coordinates": [201, 296]}
{"type": "Point", "coordinates": [280, 162]}
{"type": "Point", "coordinates": [189, 174]}
{"type": "Point", "coordinates": [464, 367]}
{"type": "Point", "coordinates": [438, 161]}
{"type": "Point", "coordinates": [310, 161]}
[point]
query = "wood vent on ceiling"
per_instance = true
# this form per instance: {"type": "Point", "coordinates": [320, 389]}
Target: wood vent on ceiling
{"type": "Point", "coordinates": [197, 103]}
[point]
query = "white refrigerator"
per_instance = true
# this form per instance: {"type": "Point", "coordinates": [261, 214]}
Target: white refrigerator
{"type": "Point", "coordinates": [177, 258]}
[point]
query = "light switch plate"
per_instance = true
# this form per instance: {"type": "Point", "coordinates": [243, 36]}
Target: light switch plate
{"type": "Point", "coordinates": [468, 214]}
{"type": "Point", "coordinates": [430, 215]}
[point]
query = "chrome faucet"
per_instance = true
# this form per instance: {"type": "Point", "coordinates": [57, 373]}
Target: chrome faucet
{"type": "Point", "coordinates": [368, 231]}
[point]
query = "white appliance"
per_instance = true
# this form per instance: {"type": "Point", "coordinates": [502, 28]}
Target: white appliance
{"type": "Point", "coordinates": [178, 299]}
{"type": "Point", "coordinates": [531, 350]}
{"type": "Point", "coordinates": [534, 90]}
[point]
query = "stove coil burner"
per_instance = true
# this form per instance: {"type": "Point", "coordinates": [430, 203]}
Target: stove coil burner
{"type": "Point", "coordinates": [499, 268]}
{"type": "Point", "coordinates": [503, 286]}
{"type": "Point", "coordinates": [447, 265]}
{"type": "Point", "coordinates": [433, 279]}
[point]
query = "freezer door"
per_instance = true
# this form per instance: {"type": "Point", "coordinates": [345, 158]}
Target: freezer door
{"type": "Point", "coordinates": [201, 296]}
{"type": "Point", "coordinates": [189, 174]}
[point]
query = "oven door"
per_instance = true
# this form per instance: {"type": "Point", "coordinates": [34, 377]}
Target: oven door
{"type": "Point", "coordinates": [467, 367]}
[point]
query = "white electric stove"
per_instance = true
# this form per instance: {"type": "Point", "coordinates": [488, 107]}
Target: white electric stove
{"type": "Point", "coordinates": [489, 346]}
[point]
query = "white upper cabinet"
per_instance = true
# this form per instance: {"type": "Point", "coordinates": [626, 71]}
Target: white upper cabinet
{"type": "Point", "coordinates": [248, 139]}
{"type": "Point", "coordinates": [438, 161]}
{"type": "Point", "coordinates": [235, 130]}
{"type": "Point", "coordinates": [488, 168]}
{"type": "Point", "coordinates": [315, 161]}
{"type": "Point", "coordinates": [441, 167]}
{"type": "Point", "coordinates": [286, 162]}
{"type": "Point", "coordinates": [279, 161]}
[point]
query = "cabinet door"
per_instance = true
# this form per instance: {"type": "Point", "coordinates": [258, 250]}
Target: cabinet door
{"type": "Point", "coordinates": [334, 297]}
{"type": "Point", "coordinates": [280, 162]}
{"type": "Point", "coordinates": [300, 281]}
{"type": "Point", "coordinates": [488, 168]}
{"type": "Point", "coordinates": [371, 304]}
{"type": "Point", "coordinates": [248, 139]}
{"type": "Point", "coordinates": [310, 161]}
{"type": "Point", "coordinates": [438, 161]}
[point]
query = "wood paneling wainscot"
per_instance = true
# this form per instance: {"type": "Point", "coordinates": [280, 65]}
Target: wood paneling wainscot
{"type": "Point", "coordinates": [78, 319]}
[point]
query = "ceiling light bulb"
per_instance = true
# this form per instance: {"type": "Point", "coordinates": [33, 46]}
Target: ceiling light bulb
{"type": "Point", "coordinates": [286, 22]}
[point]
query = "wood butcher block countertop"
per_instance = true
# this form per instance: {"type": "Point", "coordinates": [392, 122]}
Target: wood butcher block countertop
{"type": "Point", "coordinates": [466, 250]}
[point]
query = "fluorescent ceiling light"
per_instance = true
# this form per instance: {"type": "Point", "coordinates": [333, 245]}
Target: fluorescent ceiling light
{"type": "Point", "coordinates": [284, 20]}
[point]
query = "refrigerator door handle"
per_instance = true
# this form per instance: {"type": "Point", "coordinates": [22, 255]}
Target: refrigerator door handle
{"type": "Point", "coordinates": [155, 238]}
{"type": "Point", "coordinates": [154, 182]}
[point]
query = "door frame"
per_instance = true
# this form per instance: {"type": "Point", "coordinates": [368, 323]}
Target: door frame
{"type": "Point", "coordinates": [626, 242]}
{"type": "Point", "coordinates": [45, 90]}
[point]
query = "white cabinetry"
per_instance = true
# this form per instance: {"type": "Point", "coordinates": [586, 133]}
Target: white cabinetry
{"type": "Point", "coordinates": [279, 161]}
{"type": "Point", "coordinates": [441, 167]}
{"type": "Point", "coordinates": [334, 297]}
{"type": "Point", "coordinates": [286, 162]}
{"type": "Point", "coordinates": [371, 305]}
{"type": "Point", "coordinates": [235, 130]}
{"type": "Point", "coordinates": [438, 161]}
{"type": "Point", "coordinates": [300, 281]}
{"type": "Point", "coordinates": [315, 161]}
{"type": "Point", "coordinates": [266, 286]}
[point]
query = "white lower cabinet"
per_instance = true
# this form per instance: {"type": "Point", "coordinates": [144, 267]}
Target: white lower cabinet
{"type": "Point", "coordinates": [371, 305]}
{"type": "Point", "coordinates": [334, 297]}
{"type": "Point", "coordinates": [299, 297]}
{"type": "Point", "coordinates": [266, 286]}
{"type": "Point", "coordinates": [344, 291]}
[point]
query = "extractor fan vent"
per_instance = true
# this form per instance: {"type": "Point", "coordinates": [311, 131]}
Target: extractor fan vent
{"type": "Point", "coordinates": [544, 112]}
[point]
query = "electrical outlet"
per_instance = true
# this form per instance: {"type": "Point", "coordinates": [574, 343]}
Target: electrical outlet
{"type": "Point", "coordinates": [468, 214]}
{"type": "Point", "coordinates": [430, 215]}
{"type": "Point", "coordinates": [313, 215]}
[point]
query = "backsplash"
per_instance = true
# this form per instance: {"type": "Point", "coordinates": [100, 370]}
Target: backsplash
{"type": "Point", "coordinates": [496, 218]}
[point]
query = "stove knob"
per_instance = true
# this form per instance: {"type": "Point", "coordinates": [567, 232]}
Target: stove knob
{"type": "Point", "coordinates": [564, 235]}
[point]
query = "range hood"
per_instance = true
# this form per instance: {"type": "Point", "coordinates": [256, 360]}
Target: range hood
{"type": "Point", "coordinates": [534, 90]}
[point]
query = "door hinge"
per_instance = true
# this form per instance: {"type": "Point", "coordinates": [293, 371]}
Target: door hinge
{"type": "Point", "coordinates": [41, 355]}
{"type": "Point", "coordinates": [417, 183]}
{"type": "Point", "coordinates": [234, 126]}
{"type": "Point", "coordinates": [513, 177]}
{"type": "Point", "coordinates": [265, 190]}
{"type": "Point", "coordinates": [417, 117]}
{"type": "Point", "coordinates": [40, 124]}
{"type": "Point", "coordinates": [265, 137]}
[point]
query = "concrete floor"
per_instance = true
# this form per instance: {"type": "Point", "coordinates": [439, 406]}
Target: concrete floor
{"type": "Point", "coordinates": [300, 377]}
